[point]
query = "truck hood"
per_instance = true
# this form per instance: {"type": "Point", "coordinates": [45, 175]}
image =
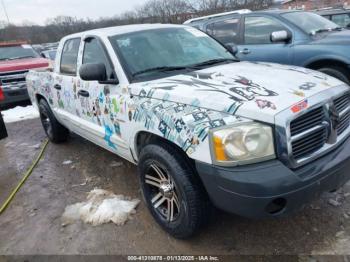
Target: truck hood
{"type": "Point", "coordinates": [23, 64]}
{"type": "Point", "coordinates": [248, 89]}
{"type": "Point", "coordinates": [333, 38]}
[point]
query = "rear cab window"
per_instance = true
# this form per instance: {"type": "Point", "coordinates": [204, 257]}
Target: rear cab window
{"type": "Point", "coordinates": [225, 31]}
{"type": "Point", "coordinates": [69, 57]}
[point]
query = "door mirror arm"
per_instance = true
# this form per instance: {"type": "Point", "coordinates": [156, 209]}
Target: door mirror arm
{"type": "Point", "coordinates": [109, 82]}
{"type": "Point", "coordinates": [232, 48]}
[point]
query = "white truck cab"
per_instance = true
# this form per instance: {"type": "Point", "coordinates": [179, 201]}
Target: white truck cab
{"type": "Point", "coordinates": [255, 139]}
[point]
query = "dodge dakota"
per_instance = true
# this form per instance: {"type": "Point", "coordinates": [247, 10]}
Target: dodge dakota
{"type": "Point", "coordinates": [255, 139]}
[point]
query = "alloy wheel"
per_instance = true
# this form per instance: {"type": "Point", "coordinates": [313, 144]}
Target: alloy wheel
{"type": "Point", "coordinates": [45, 120]}
{"type": "Point", "coordinates": [162, 192]}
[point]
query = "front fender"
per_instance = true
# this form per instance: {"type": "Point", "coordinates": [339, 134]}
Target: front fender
{"type": "Point", "coordinates": [321, 57]}
{"type": "Point", "coordinates": [184, 125]}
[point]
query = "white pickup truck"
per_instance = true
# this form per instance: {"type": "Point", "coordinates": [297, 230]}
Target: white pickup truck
{"type": "Point", "coordinates": [255, 139]}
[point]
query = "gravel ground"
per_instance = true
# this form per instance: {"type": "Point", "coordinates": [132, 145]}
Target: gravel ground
{"type": "Point", "coordinates": [32, 223]}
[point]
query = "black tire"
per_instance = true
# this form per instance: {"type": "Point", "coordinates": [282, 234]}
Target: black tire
{"type": "Point", "coordinates": [192, 209]}
{"type": "Point", "coordinates": [337, 72]}
{"type": "Point", "coordinates": [56, 132]}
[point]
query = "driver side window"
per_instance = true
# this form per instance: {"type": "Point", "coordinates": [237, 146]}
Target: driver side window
{"type": "Point", "coordinates": [94, 53]}
{"type": "Point", "coordinates": [257, 30]}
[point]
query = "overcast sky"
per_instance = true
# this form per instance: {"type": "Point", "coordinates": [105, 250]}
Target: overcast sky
{"type": "Point", "coordinates": [37, 11]}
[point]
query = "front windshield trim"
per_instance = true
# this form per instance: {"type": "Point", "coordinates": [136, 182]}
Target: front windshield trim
{"type": "Point", "coordinates": [129, 73]}
{"type": "Point", "coordinates": [312, 31]}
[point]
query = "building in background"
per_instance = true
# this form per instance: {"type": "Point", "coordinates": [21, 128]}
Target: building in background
{"type": "Point", "coordinates": [314, 4]}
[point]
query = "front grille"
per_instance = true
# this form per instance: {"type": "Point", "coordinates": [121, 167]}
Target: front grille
{"type": "Point", "coordinates": [310, 132]}
{"type": "Point", "coordinates": [307, 133]}
{"type": "Point", "coordinates": [13, 77]}
{"type": "Point", "coordinates": [342, 104]}
{"type": "Point", "coordinates": [309, 143]}
{"type": "Point", "coordinates": [307, 121]}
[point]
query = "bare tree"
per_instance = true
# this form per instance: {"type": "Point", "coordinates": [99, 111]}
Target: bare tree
{"type": "Point", "coordinates": [153, 11]}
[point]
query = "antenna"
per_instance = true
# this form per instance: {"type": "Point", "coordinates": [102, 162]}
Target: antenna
{"type": "Point", "coordinates": [5, 11]}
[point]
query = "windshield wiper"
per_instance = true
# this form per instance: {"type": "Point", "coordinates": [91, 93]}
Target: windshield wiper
{"type": "Point", "coordinates": [160, 69]}
{"type": "Point", "coordinates": [213, 62]}
{"type": "Point", "coordinates": [21, 57]}
{"type": "Point", "coordinates": [338, 28]}
{"type": "Point", "coordinates": [326, 30]}
{"type": "Point", "coordinates": [179, 68]}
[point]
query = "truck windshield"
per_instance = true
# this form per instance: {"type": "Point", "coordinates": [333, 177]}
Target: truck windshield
{"type": "Point", "coordinates": [16, 52]}
{"type": "Point", "coordinates": [311, 23]}
{"type": "Point", "coordinates": [158, 51]}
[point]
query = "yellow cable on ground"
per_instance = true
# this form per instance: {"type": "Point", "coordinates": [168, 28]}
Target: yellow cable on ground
{"type": "Point", "coordinates": [26, 175]}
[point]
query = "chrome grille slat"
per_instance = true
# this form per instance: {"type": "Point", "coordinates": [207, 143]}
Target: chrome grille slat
{"type": "Point", "coordinates": [306, 132]}
{"type": "Point", "coordinates": [309, 143]}
{"type": "Point", "coordinates": [310, 139]}
{"type": "Point", "coordinates": [306, 126]}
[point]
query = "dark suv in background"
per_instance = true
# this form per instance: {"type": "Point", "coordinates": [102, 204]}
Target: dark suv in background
{"type": "Point", "coordinates": [283, 36]}
{"type": "Point", "coordinates": [339, 16]}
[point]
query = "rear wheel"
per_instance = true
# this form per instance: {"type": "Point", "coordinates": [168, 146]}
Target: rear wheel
{"type": "Point", "coordinates": [53, 129]}
{"type": "Point", "coordinates": [337, 72]}
{"type": "Point", "coordinates": [172, 191]}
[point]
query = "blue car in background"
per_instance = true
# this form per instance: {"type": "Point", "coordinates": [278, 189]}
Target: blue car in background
{"type": "Point", "coordinates": [283, 36]}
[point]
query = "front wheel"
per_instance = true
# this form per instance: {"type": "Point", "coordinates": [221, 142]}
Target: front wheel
{"type": "Point", "coordinates": [172, 191]}
{"type": "Point", "coordinates": [337, 72]}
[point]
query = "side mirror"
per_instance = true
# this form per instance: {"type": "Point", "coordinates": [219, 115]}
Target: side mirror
{"type": "Point", "coordinates": [93, 72]}
{"type": "Point", "coordinates": [232, 48]}
{"type": "Point", "coordinates": [280, 36]}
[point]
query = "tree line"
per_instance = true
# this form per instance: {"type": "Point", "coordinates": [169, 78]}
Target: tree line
{"type": "Point", "coordinates": [153, 11]}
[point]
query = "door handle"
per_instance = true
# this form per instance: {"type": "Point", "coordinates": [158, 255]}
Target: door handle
{"type": "Point", "coordinates": [245, 51]}
{"type": "Point", "coordinates": [58, 87]}
{"type": "Point", "coordinates": [83, 93]}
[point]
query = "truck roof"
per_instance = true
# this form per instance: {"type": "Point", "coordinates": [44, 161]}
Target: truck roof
{"type": "Point", "coordinates": [243, 11]}
{"type": "Point", "coordinates": [118, 30]}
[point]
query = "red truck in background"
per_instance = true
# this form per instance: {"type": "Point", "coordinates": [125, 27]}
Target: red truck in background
{"type": "Point", "coordinates": [16, 59]}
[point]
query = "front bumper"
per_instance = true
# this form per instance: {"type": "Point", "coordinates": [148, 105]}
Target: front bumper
{"type": "Point", "coordinates": [272, 189]}
{"type": "Point", "coordinates": [14, 95]}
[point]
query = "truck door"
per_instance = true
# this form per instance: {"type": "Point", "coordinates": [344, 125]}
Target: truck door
{"type": "Point", "coordinates": [257, 44]}
{"type": "Point", "coordinates": [101, 105]}
{"type": "Point", "coordinates": [65, 82]}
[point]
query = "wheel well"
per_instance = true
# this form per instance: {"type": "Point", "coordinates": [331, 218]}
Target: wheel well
{"type": "Point", "coordinates": [39, 97]}
{"type": "Point", "coordinates": [328, 63]}
{"type": "Point", "coordinates": [144, 138]}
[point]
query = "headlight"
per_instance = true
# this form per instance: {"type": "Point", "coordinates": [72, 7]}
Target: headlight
{"type": "Point", "coordinates": [243, 143]}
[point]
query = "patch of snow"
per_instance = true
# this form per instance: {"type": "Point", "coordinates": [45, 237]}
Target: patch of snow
{"type": "Point", "coordinates": [37, 146]}
{"type": "Point", "coordinates": [20, 113]}
{"type": "Point", "coordinates": [67, 162]}
{"type": "Point", "coordinates": [101, 207]}
{"type": "Point", "coordinates": [116, 164]}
